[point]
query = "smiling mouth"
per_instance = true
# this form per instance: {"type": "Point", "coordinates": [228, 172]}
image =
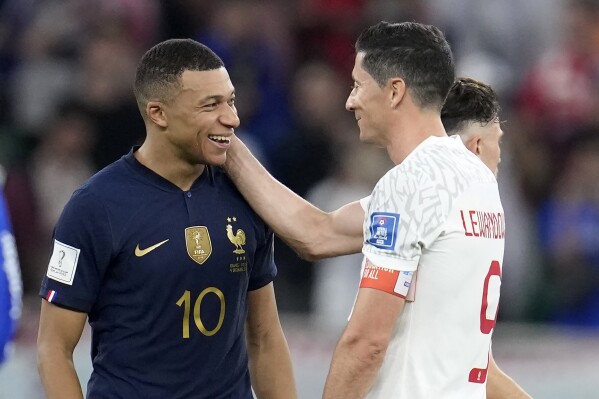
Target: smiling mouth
{"type": "Point", "coordinates": [220, 139]}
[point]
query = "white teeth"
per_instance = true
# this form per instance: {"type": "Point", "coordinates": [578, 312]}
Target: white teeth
{"type": "Point", "coordinates": [219, 138]}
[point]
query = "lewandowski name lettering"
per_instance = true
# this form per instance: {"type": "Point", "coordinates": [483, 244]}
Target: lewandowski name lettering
{"type": "Point", "coordinates": [484, 224]}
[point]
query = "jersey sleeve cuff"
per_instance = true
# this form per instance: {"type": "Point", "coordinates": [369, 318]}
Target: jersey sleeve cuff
{"type": "Point", "coordinates": [390, 262]}
{"type": "Point", "coordinates": [57, 298]}
{"type": "Point", "coordinates": [261, 282]}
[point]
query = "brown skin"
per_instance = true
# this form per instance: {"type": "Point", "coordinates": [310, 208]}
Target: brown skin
{"type": "Point", "coordinates": [59, 332]}
{"type": "Point", "coordinates": [179, 143]}
{"type": "Point", "coordinates": [270, 365]}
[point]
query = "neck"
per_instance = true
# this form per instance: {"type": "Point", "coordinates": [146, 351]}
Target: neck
{"type": "Point", "coordinates": [164, 161]}
{"type": "Point", "coordinates": [409, 132]}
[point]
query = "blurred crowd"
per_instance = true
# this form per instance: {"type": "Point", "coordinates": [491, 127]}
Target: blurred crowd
{"type": "Point", "coordinates": [67, 68]}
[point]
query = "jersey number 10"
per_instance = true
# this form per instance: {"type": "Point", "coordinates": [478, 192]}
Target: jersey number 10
{"type": "Point", "coordinates": [185, 301]}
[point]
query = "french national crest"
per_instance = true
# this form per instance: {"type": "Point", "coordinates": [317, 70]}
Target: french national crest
{"type": "Point", "coordinates": [237, 239]}
{"type": "Point", "coordinates": [197, 241]}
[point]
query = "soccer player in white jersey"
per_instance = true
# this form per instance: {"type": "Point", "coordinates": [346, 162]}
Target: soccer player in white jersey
{"type": "Point", "coordinates": [436, 215]}
{"type": "Point", "coordinates": [431, 347]}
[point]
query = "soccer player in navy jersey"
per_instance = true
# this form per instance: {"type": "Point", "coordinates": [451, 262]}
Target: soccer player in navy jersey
{"type": "Point", "coordinates": [10, 282]}
{"type": "Point", "coordinates": [165, 258]}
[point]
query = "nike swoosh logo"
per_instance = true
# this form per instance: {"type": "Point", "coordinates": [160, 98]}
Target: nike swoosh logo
{"type": "Point", "coordinates": [142, 252]}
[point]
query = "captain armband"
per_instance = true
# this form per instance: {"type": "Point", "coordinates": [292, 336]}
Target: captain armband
{"type": "Point", "coordinates": [394, 282]}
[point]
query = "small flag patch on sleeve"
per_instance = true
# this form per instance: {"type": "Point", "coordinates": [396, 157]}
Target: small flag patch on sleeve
{"type": "Point", "coordinates": [50, 295]}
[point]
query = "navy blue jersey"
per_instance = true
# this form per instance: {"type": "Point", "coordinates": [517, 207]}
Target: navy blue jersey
{"type": "Point", "coordinates": [164, 276]}
{"type": "Point", "coordinates": [10, 283]}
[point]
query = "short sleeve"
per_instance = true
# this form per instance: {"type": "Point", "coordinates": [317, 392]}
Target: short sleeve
{"type": "Point", "coordinates": [364, 202]}
{"type": "Point", "coordinates": [394, 230]}
{"type": "Point", "coordinates": [82, 249]}
{"type": "Point", "coordinates": [264, 269]}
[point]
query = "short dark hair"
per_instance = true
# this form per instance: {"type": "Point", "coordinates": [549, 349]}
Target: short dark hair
{"type": "Point", "coordinates": [417, 53]}
{"type": "Point", "coordinates": [469, 100]}
{"type": "Point", "coordinates": [160, 69]}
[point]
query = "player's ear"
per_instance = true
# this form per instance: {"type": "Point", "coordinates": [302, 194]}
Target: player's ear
{"type": "Point", "coordinates": [397, 92]}
{"type": "Point", "coordinates": [473, 144]}
{"type": "Point", "coordinates": [156, 114]}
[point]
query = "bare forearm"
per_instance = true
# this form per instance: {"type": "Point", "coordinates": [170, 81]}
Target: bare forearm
{"type": "Point", "coordinates": [270, 368]}
{"type": "Point", "coordinates": [58, 376]}
{"type": "Point", "coordinates": [311, 232]}
{"type": "Point", "coordinates": [289, 215]}
{"type": "Point", "coordinates": [351, 375]}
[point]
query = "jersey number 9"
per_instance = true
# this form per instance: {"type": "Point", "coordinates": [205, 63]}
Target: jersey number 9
{"type": "Point", "coordinates": [489, 305]}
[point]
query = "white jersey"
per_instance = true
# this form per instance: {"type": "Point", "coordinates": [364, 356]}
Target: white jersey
{"type": "Point", "coordinates": [439, 214]}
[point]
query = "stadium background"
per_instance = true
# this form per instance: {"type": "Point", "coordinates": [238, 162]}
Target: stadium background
{"type": "Point", "coordinates": [66, 69]}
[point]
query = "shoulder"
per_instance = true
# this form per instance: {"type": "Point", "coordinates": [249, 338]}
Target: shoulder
{"type": "Point", "coordinates": [112, 182]}
{"type": "Point", "coordinates": [440, 169]}
{"type": "Point", "coordinates": [112, 177]}
{"type": "Point", "coordinates": [439, 160]}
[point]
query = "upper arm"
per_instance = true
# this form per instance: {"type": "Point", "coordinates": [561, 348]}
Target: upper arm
{"type": "Point", "coordinates": [59, 329]}
{"type": "Point", "coordinates": [347, 223]}
{"type": "Point", "coordinates": [81, 253]}
{"type": "Point", "coordinates": [374, 316]}
{"type": "Point", "coordinates": [262, 312]}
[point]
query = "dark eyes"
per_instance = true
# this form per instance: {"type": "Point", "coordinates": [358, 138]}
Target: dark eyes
{"type": "Point", "coordinates": [215, 104]}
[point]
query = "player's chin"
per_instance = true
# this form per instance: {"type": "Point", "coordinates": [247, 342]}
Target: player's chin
{"type": "Point", "coordinates": [216, 159]}
{"type": "Point", "coordinates": [362, 137]}
{"type": "Point", "coordinates": [365, 138]}
{"type": "Point", "coordinates": [214, 153]}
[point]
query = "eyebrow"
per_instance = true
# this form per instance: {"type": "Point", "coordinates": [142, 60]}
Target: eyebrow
{"type": "Point", "coordinates": [218, 97]}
